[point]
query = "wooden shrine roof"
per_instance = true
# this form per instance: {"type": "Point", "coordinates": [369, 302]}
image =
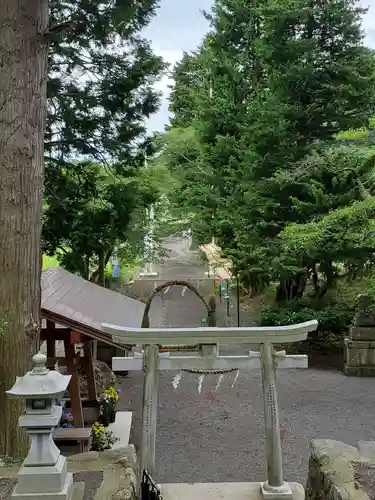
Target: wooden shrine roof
{"type": "Point", "coordinates": [213, 256]}
{"type": "Point", "coordinates": [82, 306]}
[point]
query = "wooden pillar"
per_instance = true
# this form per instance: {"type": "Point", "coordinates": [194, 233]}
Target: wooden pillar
{"type": "Point", "coordinates": [89, 369]}
{"type": "Point", "coordinates": [75, 395]}
{"type": "Point", "coordinates": [51, 343]}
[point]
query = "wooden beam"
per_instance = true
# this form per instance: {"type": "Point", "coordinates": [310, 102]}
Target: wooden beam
{"type": "Point", "coordinates": [55, 333]}
{"type": "Point", "coordinates": [75, 394]}
{"type": "Point", "coordinates": [89, 331]}
{"type": "Point", "coordinates": [89, 369]}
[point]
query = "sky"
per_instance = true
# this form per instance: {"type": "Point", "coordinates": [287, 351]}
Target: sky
{"type": "Point", "coordinates": [180, 26]}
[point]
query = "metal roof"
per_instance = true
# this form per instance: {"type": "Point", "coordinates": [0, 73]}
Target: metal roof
{"type": "Point", "coordinates": [76, 303]}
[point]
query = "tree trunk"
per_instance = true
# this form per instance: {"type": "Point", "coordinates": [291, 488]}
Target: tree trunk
{"type": "Point", "coordinates": [98, 276]}
{"type": "Point", "coordinates": [291, 288]}
{"type": "Point", "coordinates": [23, 75]}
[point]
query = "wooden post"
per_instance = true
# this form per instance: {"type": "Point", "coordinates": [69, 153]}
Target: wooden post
{"type": "Point", "coordinates": [89, 369]}
{"type": "Point", "coordinates": [51, 343]}
{"type": "Point", "coordinates": [75, 394]}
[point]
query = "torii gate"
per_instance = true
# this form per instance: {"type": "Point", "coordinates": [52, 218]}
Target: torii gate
{"type": "Point", "coordinates": [209, 339]}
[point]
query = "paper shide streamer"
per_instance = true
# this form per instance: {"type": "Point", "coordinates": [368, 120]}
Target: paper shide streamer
{"type": "Point", "coordinates": [177, 378]}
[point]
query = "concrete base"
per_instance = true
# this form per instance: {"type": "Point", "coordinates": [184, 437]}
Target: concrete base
{"type": "Point", "coordinates": [121, 428]}
{"type": "Point", "coordinates": [78, 491]}
{"type": "Point", "coordinates": [39, 479]}
{"type": "Point", "coordinates": [148, 275]}
{"type": "Point", "coordinates": [359, 371]}
{"type": "Point", "coordinates": [222, 491]}
{"type": "Point", "coordinates": [70, 492]}
{"type": "Point", "coordinates": [274, 492]}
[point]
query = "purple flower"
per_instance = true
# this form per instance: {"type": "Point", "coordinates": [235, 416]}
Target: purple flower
{"type": "Point", "coordinates": [66, 425]}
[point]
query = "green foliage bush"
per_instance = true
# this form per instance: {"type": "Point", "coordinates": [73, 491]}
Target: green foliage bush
{"type": "Point", "coordinates": [334, 312]}
{"type": "Point", "coordinates": [334, 316]}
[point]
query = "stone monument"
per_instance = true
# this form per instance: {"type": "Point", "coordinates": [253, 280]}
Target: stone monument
{"type": "Point", "coordinates": [43, 474]}
{"type": "Point", "coordinates": [359, 347]}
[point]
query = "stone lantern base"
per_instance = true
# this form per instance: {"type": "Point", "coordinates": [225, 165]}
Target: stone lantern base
{"type": "Point", "coordinates": [47, 482]}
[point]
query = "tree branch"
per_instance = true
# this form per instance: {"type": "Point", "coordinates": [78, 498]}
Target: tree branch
{"type": "Point", "coordinates": [59, 29]}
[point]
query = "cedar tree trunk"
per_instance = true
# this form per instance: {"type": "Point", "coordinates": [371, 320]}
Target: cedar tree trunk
{"type": "Point", "coordinates": [23, 76]}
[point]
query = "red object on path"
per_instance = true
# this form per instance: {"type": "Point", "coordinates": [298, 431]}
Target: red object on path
{"type": "Point", "coordinates": [282, 433]}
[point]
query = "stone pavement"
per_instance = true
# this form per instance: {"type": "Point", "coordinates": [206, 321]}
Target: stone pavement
{"type": "Point", "coordinates": [216, 437]}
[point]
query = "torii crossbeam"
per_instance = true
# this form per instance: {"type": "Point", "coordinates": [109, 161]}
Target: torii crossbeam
{"type": "Point", "coordinates": [209, 359]}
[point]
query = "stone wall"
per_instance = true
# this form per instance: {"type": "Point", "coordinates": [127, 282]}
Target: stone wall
{"type": "Point", "coordinates": [119, 469]}
{"type": "Point", "coordinates": [359, 350]}
{"type": "Point", "coordinates": [338, 471]}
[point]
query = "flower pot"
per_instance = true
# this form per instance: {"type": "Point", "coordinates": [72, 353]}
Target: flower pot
{"type": "Point", "coordinates": [113, 415]}
{"type": "Point", "coordinates": [106, 414]}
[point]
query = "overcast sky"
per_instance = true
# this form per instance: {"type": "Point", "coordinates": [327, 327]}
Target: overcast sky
{"type": "Point", "coordinates": [179, 26]}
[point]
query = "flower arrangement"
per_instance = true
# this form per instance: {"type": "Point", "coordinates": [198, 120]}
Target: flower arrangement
{"type": "Point", "coordinates": [66, 419]}
{"type": "Point", "coordinates": [101, 439]}
{"type": "Point", "coordinates": [107, 404]}
{"type": "Point", "coordinates": [111, 394]}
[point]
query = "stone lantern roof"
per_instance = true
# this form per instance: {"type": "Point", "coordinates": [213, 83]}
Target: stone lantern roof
{"type": "Point", "coordinates": [39, 383]}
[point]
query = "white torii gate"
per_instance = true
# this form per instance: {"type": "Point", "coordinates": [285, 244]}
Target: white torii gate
{"type": "Point", "coordinates": [209, 339]}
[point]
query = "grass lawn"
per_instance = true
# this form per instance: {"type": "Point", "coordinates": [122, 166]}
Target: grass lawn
{"type": "Point", "coordinates": [49, 262]}
{"type": "Point", "coordinates": [127, 271]}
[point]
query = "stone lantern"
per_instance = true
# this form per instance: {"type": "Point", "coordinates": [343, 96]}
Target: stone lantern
{"type": "Point", "coordinates": [43, 473]}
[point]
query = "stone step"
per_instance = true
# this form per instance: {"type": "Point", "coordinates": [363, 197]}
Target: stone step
{"type": "Point", "coordinates": [121, 428]}
{"type": "Point", "coordinates": [221, 491]}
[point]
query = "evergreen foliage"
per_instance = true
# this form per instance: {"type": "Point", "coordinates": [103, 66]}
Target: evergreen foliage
{"type": "Point", "coordinates": [100, 91]}
{"type": "Point", "coordinates": [266, 167]}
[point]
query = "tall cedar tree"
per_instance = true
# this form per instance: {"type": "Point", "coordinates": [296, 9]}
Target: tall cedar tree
{"type": "Point", "coordinates": [320, 80]}
{"type": "Point", "coordinates": [23, 55]}
{"type": "Point", "coordinates": [229, 64]}
{"type": "Point", "coordinates": [287, 77]}
{"type": "Point", "coordinates": [100, 91]}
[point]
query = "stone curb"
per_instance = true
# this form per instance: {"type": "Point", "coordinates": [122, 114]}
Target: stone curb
{"type": "Point", "coordinates": [333, 469]}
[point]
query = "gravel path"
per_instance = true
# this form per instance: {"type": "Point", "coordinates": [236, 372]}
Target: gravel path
{"type": "Point", "coordinates": [219, 436]}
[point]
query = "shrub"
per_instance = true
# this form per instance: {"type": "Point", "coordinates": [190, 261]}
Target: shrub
{"type": "Point", "coordinates": [334, 316]}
